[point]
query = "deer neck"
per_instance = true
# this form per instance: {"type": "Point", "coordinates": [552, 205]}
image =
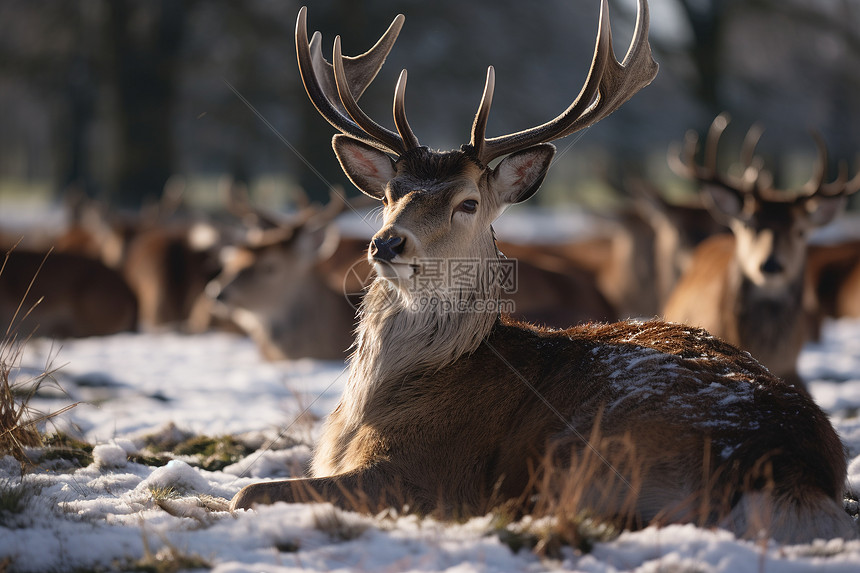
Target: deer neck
{"type": "Point", "coordinates": [311, 322]}
{"type": "Point", "coordinates": [401, 335]}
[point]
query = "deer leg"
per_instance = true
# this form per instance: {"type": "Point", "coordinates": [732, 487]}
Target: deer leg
{"type": "Point", "coordinates": [368, 489]}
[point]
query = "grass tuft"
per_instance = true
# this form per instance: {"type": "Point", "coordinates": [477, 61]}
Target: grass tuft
{"type": "Point", "coordinates": [19, 421]}
{"type": "Point", "coordinates": [61, 446]}
{"type": "Point", "coordinates": [213, 453]}
{"type": "Point", "coordinates": [168, 559]}
{"type": "Point", "coordinates": [208, 453]}
{"type": "Point", "coordinates": [17, 428]}
{"type": "Point", "coordinates": [338, 525]}
{"type": "Point", "coordinates": [12, 497]}
{"type": "Point", "coordinates": [160, 493]}
{"type": "Point", "coordinates": [547, 536]}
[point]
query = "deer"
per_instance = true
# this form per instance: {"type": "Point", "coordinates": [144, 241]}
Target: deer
{"type": "Point", "coordinates": [452, 412]}
{"type": "Point", "coordinates": [168, 266]}
{"type": "Point", "coordinates": [166, 255]}
{"type": "Point", "coordinates": [749, 287]}
{"type": "Point", "coordinates": [284, 286]}
{"type": "Point", "coordinates": [63, 295]}
{"type": "Point", "coordinates": [676, 228]}
{"type": "Point", "coordinates": [626, 267]}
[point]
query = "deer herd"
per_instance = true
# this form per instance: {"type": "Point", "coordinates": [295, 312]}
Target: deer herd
{"type": "Point", "coordinates": [456, 404]}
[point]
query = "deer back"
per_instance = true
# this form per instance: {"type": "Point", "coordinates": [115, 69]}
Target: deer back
{"type": "Point", "coordinates": [834, 275]}
{"type": "Point", "coordinates": [64, 295]}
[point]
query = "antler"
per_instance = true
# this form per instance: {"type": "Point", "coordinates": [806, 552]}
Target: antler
{"type": "Point", "coordinates": [755, 180]}
{"type": "Point", "coordinates": [608, 85]}
{"type": "Point", "coordinates": [683, 161]}
{"type": "Point", "coordinates": [839, 187]}
{"type": "Point", "coordinates": [335, 88]}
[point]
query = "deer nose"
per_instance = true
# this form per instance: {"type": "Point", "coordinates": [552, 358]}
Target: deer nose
{"type": "Point", "coordinates": [387, 249]}
{"type": "Point", "coordinates": [771, 266]}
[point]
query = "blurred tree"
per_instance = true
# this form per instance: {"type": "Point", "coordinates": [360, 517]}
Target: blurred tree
{"type": "Point", "coordinates": [143, 41]}
{"type": "Point", "coordinates": [81, 93]}
{"type": "Point", "coordinates": [707, 20]}
{"type": "Point", "coordinates": [115, 96]}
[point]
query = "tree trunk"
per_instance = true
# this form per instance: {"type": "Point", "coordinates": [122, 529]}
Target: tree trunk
{"type": "Point", "coordinates": [144, 65]}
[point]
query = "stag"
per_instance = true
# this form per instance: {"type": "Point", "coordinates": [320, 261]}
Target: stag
{"type": "Point", "coordinates": [749, 287]}
{"type": "Point", "coordinates": [285, 286]}
{"type": "Point", "coordinates": [451, 411]}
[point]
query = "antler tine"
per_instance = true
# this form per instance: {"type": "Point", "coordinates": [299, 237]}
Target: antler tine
{"type": "Point", "coordinates": [682, 160]}
{"type": "Point", "coordinates": [379, 134]}
{"type": "Point", "coordinates": [715, 132]}
{"type": "Point", "coordinates": [842, 185]}
{"type": "Point", "coordinates": [816, 184]}
{"type": "Point", "coordinates": [748, 157]}
{"type": "Point", "coordinates": [839, 187]}
{"type": "Point", "coordinates": [318, 76]}
{"type": "Point", "coordinates": [853, 185]}
{"type": "Point", "coordinates": [479, 126]}
{"type": "Point", "coordinates": [400, 122]}
{"type": "Point", "coordinates": [609, 84]}
{"type": "Point", "coordinates": [752, 165]}
{"type": "Point", "coordinates": [323, 215]}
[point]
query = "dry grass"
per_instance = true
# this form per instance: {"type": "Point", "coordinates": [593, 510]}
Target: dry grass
{"type": "Point", "coordinates": [19, 421]}
{"type": "Point", "coordinates": [574, 501]}
{"type": "Point", "coordinates": [168, 559]}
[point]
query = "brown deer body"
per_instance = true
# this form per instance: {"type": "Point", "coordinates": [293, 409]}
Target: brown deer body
{"type": "Point", "coordinates": [456, 412]}
{"type": "Point", "coordinates": [168, 268]}
{"type": "Point", "coordinates": [79, 296]}
{"type": "Point", "coordinates": [749, 288]}
{"type": "Point", "coordinates": [834, 274]}
{"type": "Point", "coordinates": [166, 259]}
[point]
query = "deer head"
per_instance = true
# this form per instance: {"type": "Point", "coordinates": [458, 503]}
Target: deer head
{"type": "Point", "coordinates": [771, 226]}
{"type": "Point", "coordinates": [440, 205]}
{"type": "Point", "coordinates": [263, 276]}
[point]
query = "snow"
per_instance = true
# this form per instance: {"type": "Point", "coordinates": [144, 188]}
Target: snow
{"type": "Point", "coordinates": [106, 516]}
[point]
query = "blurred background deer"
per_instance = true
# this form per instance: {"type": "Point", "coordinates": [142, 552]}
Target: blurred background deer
{"type": "Point", "coordinates": [59, 295]}
{"type": "Point", "coordinates": [284, 285]}
{"type": "Point", "coordinates": [750, 288]}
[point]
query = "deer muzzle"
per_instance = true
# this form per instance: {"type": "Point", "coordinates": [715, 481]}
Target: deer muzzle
{"type": "Point", "coordinates": [386, 249]}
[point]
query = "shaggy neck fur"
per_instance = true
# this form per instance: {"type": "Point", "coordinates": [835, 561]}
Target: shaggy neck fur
{"type": "Point", "coordinates": [398, 336]}
{"type": "Point", "coordinates": [770, 325]}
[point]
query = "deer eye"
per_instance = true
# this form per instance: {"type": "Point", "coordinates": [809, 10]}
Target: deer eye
{"type": "Point", "coordinates": [468, 206]}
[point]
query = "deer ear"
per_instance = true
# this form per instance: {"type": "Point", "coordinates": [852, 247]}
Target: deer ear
{"type": "Point", "coordinates": [822, 210]}
{"type": "Point", "coordinates": [319, 244]}
{"type": "Point", "coordinates": [368, 168]}
{"type": "Point", "coordinates": [519, 175]}
{"type": "Point", "coordinates": [723, 203]}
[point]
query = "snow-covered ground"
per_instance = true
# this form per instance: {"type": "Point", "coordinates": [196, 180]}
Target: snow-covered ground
{"type": "Point", "coordinates": [108, 516]}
